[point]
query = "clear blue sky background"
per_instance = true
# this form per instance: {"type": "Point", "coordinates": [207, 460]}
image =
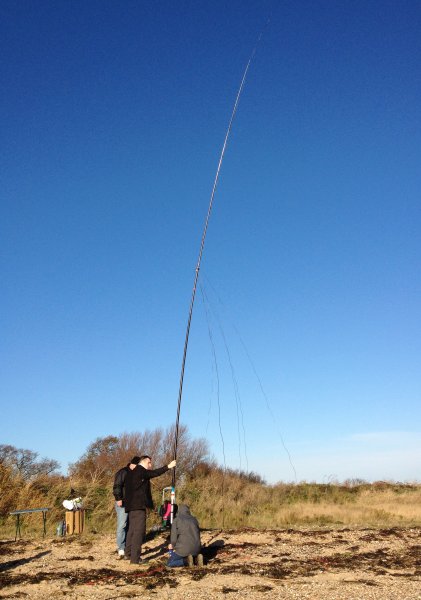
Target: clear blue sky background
{"type": "Point", "coordinates": [113, 116]}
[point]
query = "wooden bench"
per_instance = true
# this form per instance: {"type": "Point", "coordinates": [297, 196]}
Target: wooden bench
{"type": "Point", "coordinates": [25, 511]}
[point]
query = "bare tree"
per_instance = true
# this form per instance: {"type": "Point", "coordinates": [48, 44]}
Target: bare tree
{"type": "Point", "coordinates": [106, 455]}
{"type": "Point", "coordinates": [189, 452]}
{"type": "Point", "coordinates": [98, 462]}
{"type": "Point", "coordinates": [25, 462]}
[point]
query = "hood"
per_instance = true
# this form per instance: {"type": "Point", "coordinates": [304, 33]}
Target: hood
{"type": "Point", "coordinates": [183, 509]}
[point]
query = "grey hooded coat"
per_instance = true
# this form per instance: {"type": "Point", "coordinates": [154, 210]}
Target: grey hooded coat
{"type": "Point", "coordinates": [185, 533]}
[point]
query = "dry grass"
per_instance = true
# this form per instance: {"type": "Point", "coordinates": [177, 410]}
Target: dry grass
{"type": "Point", "coordinates": [235, 502]}
{"type": "Point", "coordinates": [231, 500]}
{"type": "Point", "coordinates": [368, 508]}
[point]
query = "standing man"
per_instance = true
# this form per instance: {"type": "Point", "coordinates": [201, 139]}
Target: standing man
{"type": "Point", "coordinates": [137, 499]}
{"type": "Point", "coordinates": [119, 495]}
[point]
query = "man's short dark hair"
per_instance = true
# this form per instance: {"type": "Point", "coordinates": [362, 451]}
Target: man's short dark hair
{"type": "Point", "coordinates": [135, 460]}
{"type": "Point", "coordinates": [143, 457]}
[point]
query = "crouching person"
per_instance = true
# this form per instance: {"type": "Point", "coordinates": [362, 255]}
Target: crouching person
{"type": "Point", "coordinates": [185, 540]}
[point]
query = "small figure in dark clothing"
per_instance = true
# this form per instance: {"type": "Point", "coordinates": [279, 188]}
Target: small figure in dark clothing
{"type": "Point", "coordinates": [185, 540]}
{"type": "Point", "coordinates": [137, 499]}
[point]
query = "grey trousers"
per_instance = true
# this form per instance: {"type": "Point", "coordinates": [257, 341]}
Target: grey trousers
{"type": "Point", "coordinates": [135, 535]}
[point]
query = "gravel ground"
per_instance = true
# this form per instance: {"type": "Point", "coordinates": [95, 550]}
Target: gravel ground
{"type": "Point", "coordinates": [351, 564]}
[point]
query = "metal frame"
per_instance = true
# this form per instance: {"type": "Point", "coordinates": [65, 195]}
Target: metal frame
{"type": "Point", "coordinates": [18, 513]}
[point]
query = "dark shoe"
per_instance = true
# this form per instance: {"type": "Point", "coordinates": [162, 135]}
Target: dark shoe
{"type": "Point", "coordinates": [200, 560]}
{"type": "Point", "coordinates": [190, 562]}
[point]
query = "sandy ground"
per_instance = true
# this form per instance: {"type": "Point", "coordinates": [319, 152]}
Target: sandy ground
{"type": "Point", "coordinates": [307, 564]}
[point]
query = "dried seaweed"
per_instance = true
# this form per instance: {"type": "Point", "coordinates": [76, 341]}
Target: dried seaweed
{"type": "Point", "coordinates": [151, 578]}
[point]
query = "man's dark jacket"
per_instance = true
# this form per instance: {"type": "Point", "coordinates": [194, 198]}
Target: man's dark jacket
{"type": "Point", "coordinates": [138, 487]}
{"type": "Point", "coordinates": [119, 483]}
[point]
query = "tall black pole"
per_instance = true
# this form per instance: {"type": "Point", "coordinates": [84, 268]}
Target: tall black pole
{"type": "Point", "coordinates": [202, 245]}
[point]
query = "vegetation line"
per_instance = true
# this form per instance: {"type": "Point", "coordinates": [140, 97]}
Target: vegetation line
{"type": "Point", "coordinates": [247, 502]}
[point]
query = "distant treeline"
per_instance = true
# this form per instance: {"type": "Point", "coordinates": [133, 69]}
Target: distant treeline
{"type": "Point", "coordinates": [218, 497]}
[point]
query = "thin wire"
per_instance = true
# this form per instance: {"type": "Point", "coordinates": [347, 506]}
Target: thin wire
{"type": "Point", "coordinates": [268, 406]}
{"type": "Point", "coordinates": [210, 401]}
{"type": "Point", "coordinates": [238, 403]}
{"type": "Point", "coordinates": [267, 403]}
{"type": "Point", "coordinates": [202, 245]}
{"type": "Point", "coordinates": [215, 362]}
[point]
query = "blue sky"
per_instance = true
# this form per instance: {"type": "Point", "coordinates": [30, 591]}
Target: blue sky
{"type": "Point", "coordinates": [113, 118]}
